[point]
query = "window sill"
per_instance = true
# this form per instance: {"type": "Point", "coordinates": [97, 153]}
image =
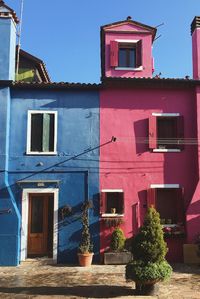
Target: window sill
{"type": "Point", "coordinates": [166, 150]}
{"type": "Point", "coordinates": [41, 153]}
{"type": "Point", "coordinates": [108, 215]}
{"type": "Point", "coordinates": [118, 68]}
{"type": "Point", "coordinates": [169, 225]}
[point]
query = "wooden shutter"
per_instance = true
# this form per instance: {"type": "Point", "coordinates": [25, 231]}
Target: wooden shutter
{"type": "Point", "coordinates": [180, 206]}
{"type": "Point", "coordinates": [114, 53]}
{"type": "Point", "coordinates": [151, 197]}
{"type": "Point", "coordinates": [139, 53]}
{"type": "Point", "coordinates": [46, 132]}
{"type": "Point", "coordinates": [180, 132]}
{"type": "Point", "coordinates": [103, 200]}
{"type": "Point", "coordinates": [153, 132]}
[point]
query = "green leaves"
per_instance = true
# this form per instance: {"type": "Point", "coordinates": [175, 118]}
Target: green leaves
{"type": "Point", "coordinates": [117, 240]}
{"type": "Point", "coordinates": [149, 250]}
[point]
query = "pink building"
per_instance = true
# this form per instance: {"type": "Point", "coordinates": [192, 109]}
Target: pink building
{"type": "Point", "coordinates": [155, 159]}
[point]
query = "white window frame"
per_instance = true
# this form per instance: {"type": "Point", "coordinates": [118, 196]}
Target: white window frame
{"type": "Point", "coordinates": [166, 150]}
{"type": "Point", "coordinates": [128, 41]}
{"type": "Point", "coordinates": [28, 146]}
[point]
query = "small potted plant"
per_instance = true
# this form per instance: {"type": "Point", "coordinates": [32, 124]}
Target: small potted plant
{"type": "Point", "coordinates": [85, 252]}
{"type": "Point", "coordinates": [149, 249]}
{"type": "Point", "coordinates": [117, 253]}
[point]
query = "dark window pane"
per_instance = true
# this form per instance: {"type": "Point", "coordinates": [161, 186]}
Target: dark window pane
{"type": "Point", "coordinates": [127, 56]}
{"type": "Point", "coordinates": [167, 132]}
{"type": "Point", "coordinates": [122, 57]}
{"type": "Point", "coordinates": [132, 60]}
{"type": "Point", "coordinates": [166, 203]}
{"type": "Point", "coordinates": [114, 200]}
{"type": "Point", "coordinates": [37, 206]}
{"type": "Point", "coordinates": [36, 132]}
{"type": "Point", "coordinates": [51, 132]}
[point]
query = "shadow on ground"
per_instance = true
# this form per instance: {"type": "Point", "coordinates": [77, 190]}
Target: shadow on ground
{"type": "Point", "coordinates": [95, 291]}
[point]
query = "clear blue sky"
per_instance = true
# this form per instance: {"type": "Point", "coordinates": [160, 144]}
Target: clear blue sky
{"type": "Point", "coordinates": [66, 33]}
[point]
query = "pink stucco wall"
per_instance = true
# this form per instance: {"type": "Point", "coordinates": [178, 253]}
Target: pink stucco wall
{"type": "Point", "coordinates": [193, 212]}
{"type": "Point", "coordinates": [147, 60]}
{"type": "Point", "coordinates": [129, 165]}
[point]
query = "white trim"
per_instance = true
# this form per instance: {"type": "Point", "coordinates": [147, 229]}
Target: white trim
{"type": "Point", "coordinates": [119, 68]}
{"type": "Point", "coordinates": [112, 190]}
{"type": "Point", "coordinates": [165, 114]}
{"type": "Point", "coordinates": [24, 224]}
{"type": "Point", "coordinates": [132, 41]}
{"type": "Point", "coordinates": [28, 145]}
{"type": "Point", "coordinates": [166, 150]}
{"type": "Point", "coordinates": [112, 215]}
{"type": "Point", "coordinates": [171, 186]}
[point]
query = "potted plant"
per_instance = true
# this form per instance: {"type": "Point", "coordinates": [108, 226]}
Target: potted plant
{"type": "Point", "coordinates": [117, 254]}
{"type": "Point", "coordinates": [149, 249]}
{"type": "Point", "coordinates": [85, 252]}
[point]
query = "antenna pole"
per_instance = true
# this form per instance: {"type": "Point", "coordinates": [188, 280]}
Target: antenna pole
{"type": "Point", "coordinates": [19, 37]}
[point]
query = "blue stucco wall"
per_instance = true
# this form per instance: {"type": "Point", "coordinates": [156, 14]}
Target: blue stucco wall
{"type": "Point", "coordinates": [78, 132]}
{"type": "Point", "coordinates": [7, 49]}
{"type": "Point", "coordinates": [9, 222]}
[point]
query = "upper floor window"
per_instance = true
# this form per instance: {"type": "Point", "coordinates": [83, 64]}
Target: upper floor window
{"type": "Point", "coordinates": [42, 132]}
{"type": "Point", "coordinates": [126, 54]}
{"type": "Point", "coordinates": [166, 132]}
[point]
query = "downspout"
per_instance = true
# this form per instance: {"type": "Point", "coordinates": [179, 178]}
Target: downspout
{"type": "Point", "coordinates": [6, 179]}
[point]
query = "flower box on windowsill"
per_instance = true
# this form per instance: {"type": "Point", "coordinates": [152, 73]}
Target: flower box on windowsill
{"type": "Point", "coordinates": [173, 231]}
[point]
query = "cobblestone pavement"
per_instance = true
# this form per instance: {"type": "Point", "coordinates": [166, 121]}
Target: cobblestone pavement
{"type": "Point", "coordinates": [38, 279]}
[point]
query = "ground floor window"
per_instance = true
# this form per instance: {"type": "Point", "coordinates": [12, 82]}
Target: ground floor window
{"type": "Point", "coordinates": [112, 202]}
{"type": "Point", "coordinates": [169, 202]}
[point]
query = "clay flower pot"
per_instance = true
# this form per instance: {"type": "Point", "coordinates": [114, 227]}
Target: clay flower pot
{"type": "Point", "coordinates": [85, 259]}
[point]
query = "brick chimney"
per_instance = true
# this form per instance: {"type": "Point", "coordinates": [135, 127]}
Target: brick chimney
{"type": "Point", "coordinates": [195, 32]}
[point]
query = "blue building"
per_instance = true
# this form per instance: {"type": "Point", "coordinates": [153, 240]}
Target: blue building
{"type": "Point", "coordinates": [49, 157]}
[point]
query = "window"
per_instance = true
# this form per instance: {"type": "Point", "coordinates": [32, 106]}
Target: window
{"type": "Point", "coordinates": [166, 132]}
{"type": "Point", "coordinates": [126, 54]}
{"type": "Point", "coordinates": [42, 129]}
{"type": "Point", "coordinates": [169, 203]}
{"type": "Point", "coordinates": [112, 202]}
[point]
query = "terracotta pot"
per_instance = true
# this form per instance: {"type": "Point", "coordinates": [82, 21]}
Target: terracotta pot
{"type": "Point", "coordinates": [85, 259]}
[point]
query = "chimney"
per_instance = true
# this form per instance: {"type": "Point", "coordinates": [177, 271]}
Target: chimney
{"type": "Point", "coordinates": [195, 32]}
{"type": "Point", "coordinates": [8, 21]}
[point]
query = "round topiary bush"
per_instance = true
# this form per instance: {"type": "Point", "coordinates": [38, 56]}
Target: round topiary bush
{"type": "Point", "coordinates": [145, 272]}
{"type": "Point", "coordinates": [149, 249]}
{"type": "Point", "coordinates": [117, 240]}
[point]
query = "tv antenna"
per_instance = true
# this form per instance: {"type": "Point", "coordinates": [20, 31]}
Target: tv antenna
{"type": "Point", "coordinates": [19, 36]}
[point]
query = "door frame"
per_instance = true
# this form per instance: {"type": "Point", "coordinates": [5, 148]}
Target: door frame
{"type": "Point", "coordinates": [24, 225]}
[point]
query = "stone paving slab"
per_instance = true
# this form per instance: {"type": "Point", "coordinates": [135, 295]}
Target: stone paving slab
{"type": "Point", "coordinates": [38, 279]}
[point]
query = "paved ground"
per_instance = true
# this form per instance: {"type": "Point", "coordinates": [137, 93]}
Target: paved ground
{"type": "Point", "coordinates": [37, 279]}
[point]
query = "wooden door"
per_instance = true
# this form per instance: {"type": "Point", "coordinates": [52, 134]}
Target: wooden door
{"type": "Point", "coordinates": [38, 225]}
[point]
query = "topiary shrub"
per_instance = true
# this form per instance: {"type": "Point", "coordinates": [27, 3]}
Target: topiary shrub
{"type": "Point", "coordinates": [117, 240]}
{"type": "Point", "coordinates": [148, 244]}
{"type": "Point", "coordinates": [149, 250]}
{"type": "Point", "coordinates": [85, 245]}
{"type": "Point", "coordinates": [143, 272]}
